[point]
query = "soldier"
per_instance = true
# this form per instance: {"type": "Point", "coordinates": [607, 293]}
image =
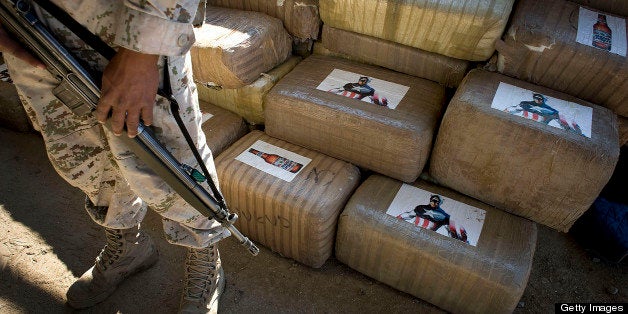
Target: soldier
{"type": "Point", "coordinates": [118, 186]}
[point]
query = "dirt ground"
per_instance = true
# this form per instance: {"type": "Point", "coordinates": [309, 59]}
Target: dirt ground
{"type": "Point", "coordinates": [47, 240]}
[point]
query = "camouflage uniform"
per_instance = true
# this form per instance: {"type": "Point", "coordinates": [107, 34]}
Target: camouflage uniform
{"type": "Point", "coordinates": [119, 186]}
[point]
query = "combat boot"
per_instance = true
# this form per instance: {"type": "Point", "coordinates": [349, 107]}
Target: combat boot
{"type": "Point", "coordinates": [204, 281]}
{"type": "Point", "coordinates": [126, 252]}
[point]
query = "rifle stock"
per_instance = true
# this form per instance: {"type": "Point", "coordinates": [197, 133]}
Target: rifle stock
{"type": "Point", "coordinates": [78, 91]}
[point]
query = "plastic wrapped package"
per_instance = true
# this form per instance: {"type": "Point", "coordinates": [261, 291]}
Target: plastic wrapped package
{"type": "Point", "coordinates": [221, 127]}
{"type": "Point", "coordinates": [555, 44]}
{"type": "Point", "coordinates": [375, 118]}
{"type": "Point", "coordinates": [525, 149]}
{"type": "Point", "coordinates": [405, 59]}
{"type": "Point", "coordinates": [233, 47]}
{"type": "Point", "coordinates": [459, 29]}
{"type": "Point", "coordinates": [247, 101]}
{"type": "Point", "coordinates": [300, 17]}
{"type": "Point", "coordinates": [288, 198]}
{"type": "Point", "coordinates": [479, 264]}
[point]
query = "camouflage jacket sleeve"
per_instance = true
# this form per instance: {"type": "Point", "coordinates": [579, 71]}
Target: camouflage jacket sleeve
{"type": "Point", "coordinates": [162, 27]}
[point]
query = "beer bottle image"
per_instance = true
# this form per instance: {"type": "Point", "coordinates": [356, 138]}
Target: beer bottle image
{"type": "Point", "coordinates": [602, 34]}
{"type": "Point", "coordinates": [278, 161]}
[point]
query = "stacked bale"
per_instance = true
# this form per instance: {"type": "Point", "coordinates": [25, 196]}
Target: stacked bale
{"type": "Point", "coordinates": [234, 47]}
{"type": "Point", "coordinates": [405, 59]}
{"type": "Point", "coordinates": [387, 128]}
{"type": "Point", "coordinates": [247, 101]}
{"type": "Point", "coordinates": [549, 170]}
{"type": "Point", "coordinates": [459, 29]}
{"type": "Point", "coordinates": [300, 18]}
{"type": "Point", "coordinates": [551, 44]}
{"type": "Point", "coordinates": [488, 274]}
{"type": "Point", "coordinates": [221, 127]}
{"type": "Point", "coordinates": [288, 198]}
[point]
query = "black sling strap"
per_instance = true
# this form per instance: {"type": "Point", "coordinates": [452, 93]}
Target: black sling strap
{"type": "Point", "coordinates": [79, 30]}
{"type": "Point", "coordinates": [106, 51]}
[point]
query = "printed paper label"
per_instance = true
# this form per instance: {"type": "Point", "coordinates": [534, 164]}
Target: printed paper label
{"type": "Point", "coordinates": [602, 31]}
{"type": "Point", "coordinates": [432, 211]}
{"type": "Point", "coordinates": [364, 88]}
{"type": "Point", "coordinates": [4, 74]}
{"type": "Point", "coordinates": [558, 113]}
{"type": "Point", "coordinates": [206, 116]}
{"type": "Point", "coordinates": [273, 160]}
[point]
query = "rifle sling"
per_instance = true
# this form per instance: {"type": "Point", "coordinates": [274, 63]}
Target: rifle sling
{"type": "Point", "coordinates": [79, 30]}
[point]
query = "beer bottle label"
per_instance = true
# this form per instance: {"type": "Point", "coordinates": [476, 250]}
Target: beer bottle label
{"type": "Point", "coordinates": [602, 31]}
{"type": "Point", "coordinates": [273, 160]}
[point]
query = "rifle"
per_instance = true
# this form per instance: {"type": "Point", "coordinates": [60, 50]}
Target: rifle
{"type": "Point", "coordinates": [79, 92]}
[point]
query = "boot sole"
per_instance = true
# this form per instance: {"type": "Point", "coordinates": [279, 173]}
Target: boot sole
{"type": "Point", "coordinates": [148, 263]}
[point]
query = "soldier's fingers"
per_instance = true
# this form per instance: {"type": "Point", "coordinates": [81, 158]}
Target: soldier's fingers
{"type": "Point", "coordinates": [132, 122]}
{"type": "Point", "coordinates": [102, 109]}
{"type": "Point", "coordinates": [118, 115]}
{"type": "Point", "coordinates": [147, 115]}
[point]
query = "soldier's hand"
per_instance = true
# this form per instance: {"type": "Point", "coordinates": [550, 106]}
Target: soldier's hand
{"type": "Point", "coordinates": [129, 87]}
{"type": "Point", "coordinates": [10, 46]}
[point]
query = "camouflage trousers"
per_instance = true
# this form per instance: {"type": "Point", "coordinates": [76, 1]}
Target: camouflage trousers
{"type": "Point", "coordinates": [119, 186]}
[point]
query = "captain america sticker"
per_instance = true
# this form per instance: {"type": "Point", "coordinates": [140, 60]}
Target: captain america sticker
{"type": "Point", "coordinates": [435, 212]}
{"type": "Point", "coordinates": [365, 88]}
{"type": "Point", "coordinates": [562, 114]}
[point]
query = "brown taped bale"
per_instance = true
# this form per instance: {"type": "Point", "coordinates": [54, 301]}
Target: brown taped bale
{"type": "Point", "coordinates": [221, 127]}
{"type": "Point", "coordinates": [300, 17]}
{"type": "Point", "coordinates": [489, 277]}
{"type": "Point", "coordinates": [540, 47]}
{"type": "Point", "coordinates": [405, 59]}
{"type": "Point", "coordinates": [297, 219]}
{"type": "Point", "coordinates": [247, 101]}
{"type": "Point", "coordinates": [234, 47]}
{"type": "Point", "coordinates": [459, 29]}
{"type": "Point", "coordinates": [536, 170]}
{"type": "Point", "coordinates": [396, 142]}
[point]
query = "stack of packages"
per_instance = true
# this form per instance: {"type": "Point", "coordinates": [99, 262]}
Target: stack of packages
{"type": "Point", "coordinates": [237, 57]}
{"type": "Point", "coordinates": [580, 50]}
{"type": "Point", "coordinates": [418, 237]}
{"type": "Point", "coordinates": [288, 197]}
{"type": "Point", "coordinates": [527, 143]}
{"type": "Point", "coordinates": [504, 154]}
